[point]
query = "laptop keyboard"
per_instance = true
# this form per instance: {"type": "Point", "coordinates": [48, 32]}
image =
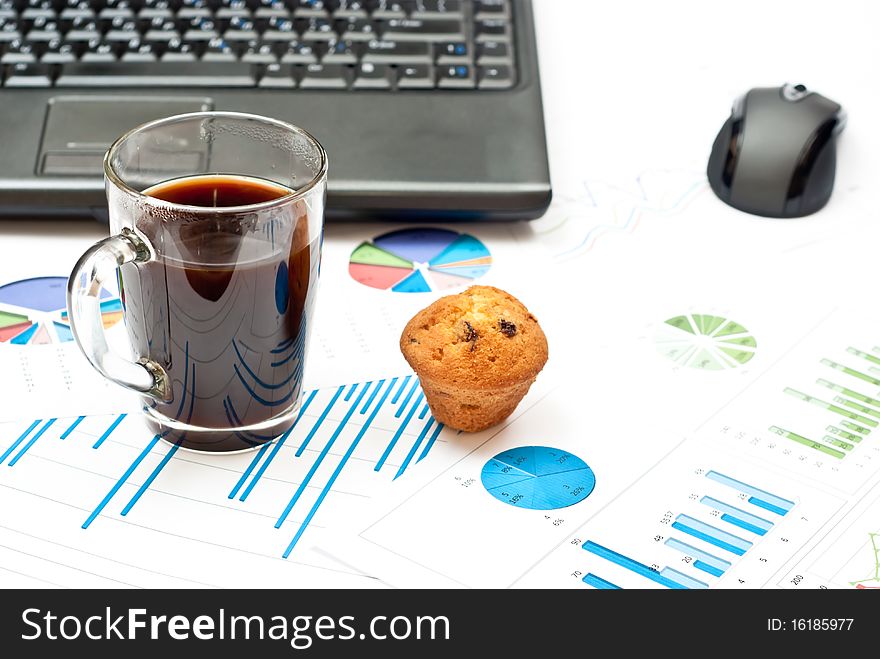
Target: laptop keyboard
{"type": "Point", "coordinates": [282, 44]}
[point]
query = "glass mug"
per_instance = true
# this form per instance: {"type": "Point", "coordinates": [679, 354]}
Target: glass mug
{"type": "Point", "coordinates": [216, 221]}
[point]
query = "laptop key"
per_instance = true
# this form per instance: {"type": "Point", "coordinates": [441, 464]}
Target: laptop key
{"type": "Point", "coordinates": [325, 76]}
{"type": "Point", "coordinates": [237, 24]}
{"type": "Point", "coordinates": [297, 52]}
{"type": "Point", "coordinates": [43, 29]}
{"type": "Point", "coordinates": [42, 35]}
{"type": "Point", "coordinates": [17, 52]}
{"type": "Point", "coordinates": [138, 51]}
{"type": "Point", "coordinates": [340, 52]}
{"type": "Point", "coordinates": [157, 74]}
{"type": "Point", "coordinates": [189, 14]}
{"type": "Point", "coordinates": [10, 29]}
{"type": "Point", "coordinates": [276, 28]}
{"type": "Point", "coordinates": [201, 29]}
{"type": "Point", "coordinates": [178, 50]}
{"type": "Point", "coordinates": [357, 29]}
{"type": "Point", "coordinates": [498, 76]}
{"type": "Point", "coordinates": [491, 9]}
{"type": "Point", "coordinates": [348, 8]}
{"type": "Point", "coordinates": [397, 52]}
{"type": "Point", "coordinates": [83, 11]}
{"type": "Point", "coordinates": [493, 52]}
{"type": "Point", "coordinates": [404, 29]}
{"type": "Point", "coordinates": [372, 76]}
{"type": "Point", "coordinates": [493, 29]}
{"type": "Point", "coordinates": [266, 7]}
{"type": "Point", "coordinates": [437, 9]}
{"type": "Point", "coordinates": [259, 53]}
{"type": "Point", "coordinates": [164, 35]}
{"type": "Point", "coordinates": [311, 9]}
{"type": "Point", "coordinates": [278, 76]}
{"type": "Point", "coordinates": [232, 11]}
{"type": "Point", "coordinates": [32, 13]}
{"type": "Point", "coordinates": [459, 76]}
{"type": "Point", "coordinates": [99, 50]}
{"type": "Point", "coordinates": [28, 75]}
{"type": "Point", "coordinates": [219, 50]}
{"type": "Point", "coordinates": [386, 9]}
{"type": "Point", "coordinates": [269, 8]}
{"type": "Point", "coordinates": [453, 52]}
{"type": "Point", "coordinates": [124, 31]}
{"type": "Point", "coordinates": [57, 52]}
{"type": "Point", "coordinates": [315, 29]}
{"type": "Point", "coordinates": [148, 13]}
{"type": "Point", "coordinates": [418, 76]}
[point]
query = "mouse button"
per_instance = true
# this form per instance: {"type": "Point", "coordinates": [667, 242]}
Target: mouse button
{"type": "Point", "coordinates": [792, 92]}
{"type": "Point", "coordinates": [723, 159]}
{"type": "Point", "coordinates": [842, 119]}
{"type": "Point", "coordinates": [822, 109]}
{"type": "Point", "coordinates": [738, 108]}
{"type": "Point", "coordinates": [820, 181]}
{"type": "Point", "coordinates": [772, 139]}
{"type": "Point", "coordinates": [813, 178]}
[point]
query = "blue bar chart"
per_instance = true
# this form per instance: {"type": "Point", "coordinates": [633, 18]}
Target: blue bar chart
{"type": "Point", "coordinates": [757, 497]}
{"type": "Point", "coordinates": [711, 534]}
{"type": "Point", "coordinates": [738, 517]}
{"type": "Point", "coordinates": [634, 566]}
{"type": "Point", "coordinates": [115, 483]}
{"type": "Point", "coordinates": [598, 583]}
{"type": "Point", "coordinates": [696, 540]}
{"type": "Point", "coordinates": [722, 522]}
{"type": "Point", "coordinates": [703, 560]}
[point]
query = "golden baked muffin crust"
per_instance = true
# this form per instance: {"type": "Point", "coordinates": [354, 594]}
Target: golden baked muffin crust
{"type": "Point", "coordinates": [476, 353]}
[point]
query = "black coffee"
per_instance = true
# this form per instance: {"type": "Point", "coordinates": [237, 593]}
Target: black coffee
{"type": "Point", "coordinates": [224, 310]}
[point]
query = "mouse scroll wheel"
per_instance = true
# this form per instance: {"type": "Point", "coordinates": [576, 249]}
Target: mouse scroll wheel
{"type": "Point", "coordinates": [794, 92]}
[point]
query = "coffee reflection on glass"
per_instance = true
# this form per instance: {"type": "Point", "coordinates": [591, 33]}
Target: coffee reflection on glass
{"type": "Point", "coordinates": [217, 269]}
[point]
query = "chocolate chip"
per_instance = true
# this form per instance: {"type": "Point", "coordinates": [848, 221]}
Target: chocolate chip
{"type": "Point", "coordinates": [470, 335]}
{"type": "Point", "coordinates": [507, 328]}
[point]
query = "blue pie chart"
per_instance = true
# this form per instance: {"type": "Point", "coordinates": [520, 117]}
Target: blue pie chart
{"type": "Point", "coordinates": [538, 478]}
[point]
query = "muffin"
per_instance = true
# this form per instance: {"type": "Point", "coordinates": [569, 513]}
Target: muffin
{"type": "Point", "coordinates": [476, 354]}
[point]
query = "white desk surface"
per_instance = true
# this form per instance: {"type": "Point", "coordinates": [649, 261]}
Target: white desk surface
{"type": "Point", "coordinates": [634, 95]}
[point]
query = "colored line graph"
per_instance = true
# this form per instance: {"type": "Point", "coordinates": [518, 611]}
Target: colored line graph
{"type": "Point", "coordinates": [599, 208]}
{"type": "Point", "coordinates": [873, 539]}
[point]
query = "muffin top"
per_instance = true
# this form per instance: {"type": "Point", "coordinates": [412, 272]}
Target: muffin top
{"type": "Point", "coordinates": [482, 338]}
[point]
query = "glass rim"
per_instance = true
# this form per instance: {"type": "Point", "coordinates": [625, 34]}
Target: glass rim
{"type": "Point", "coordinates": [295, 195]}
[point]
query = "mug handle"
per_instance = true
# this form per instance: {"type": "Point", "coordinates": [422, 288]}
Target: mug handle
{"type": "Point", "coordinates": [84, 306]}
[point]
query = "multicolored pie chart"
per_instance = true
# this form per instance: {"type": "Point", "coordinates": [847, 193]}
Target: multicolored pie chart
{"type": "Point", "coordinates": [34, 311]}
{"type": "Point", "coordinates": [419, 260]}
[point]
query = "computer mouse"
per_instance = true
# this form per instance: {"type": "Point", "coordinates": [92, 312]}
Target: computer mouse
{"type": "Point", "coordinates": [776, 154]}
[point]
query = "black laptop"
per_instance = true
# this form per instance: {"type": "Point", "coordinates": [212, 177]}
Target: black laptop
{"type": "Point", "coordinates": [427, 108]}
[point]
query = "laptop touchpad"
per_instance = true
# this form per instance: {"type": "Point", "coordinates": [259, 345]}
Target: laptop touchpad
{"type": "Point", "coordinates": [80, 129]}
